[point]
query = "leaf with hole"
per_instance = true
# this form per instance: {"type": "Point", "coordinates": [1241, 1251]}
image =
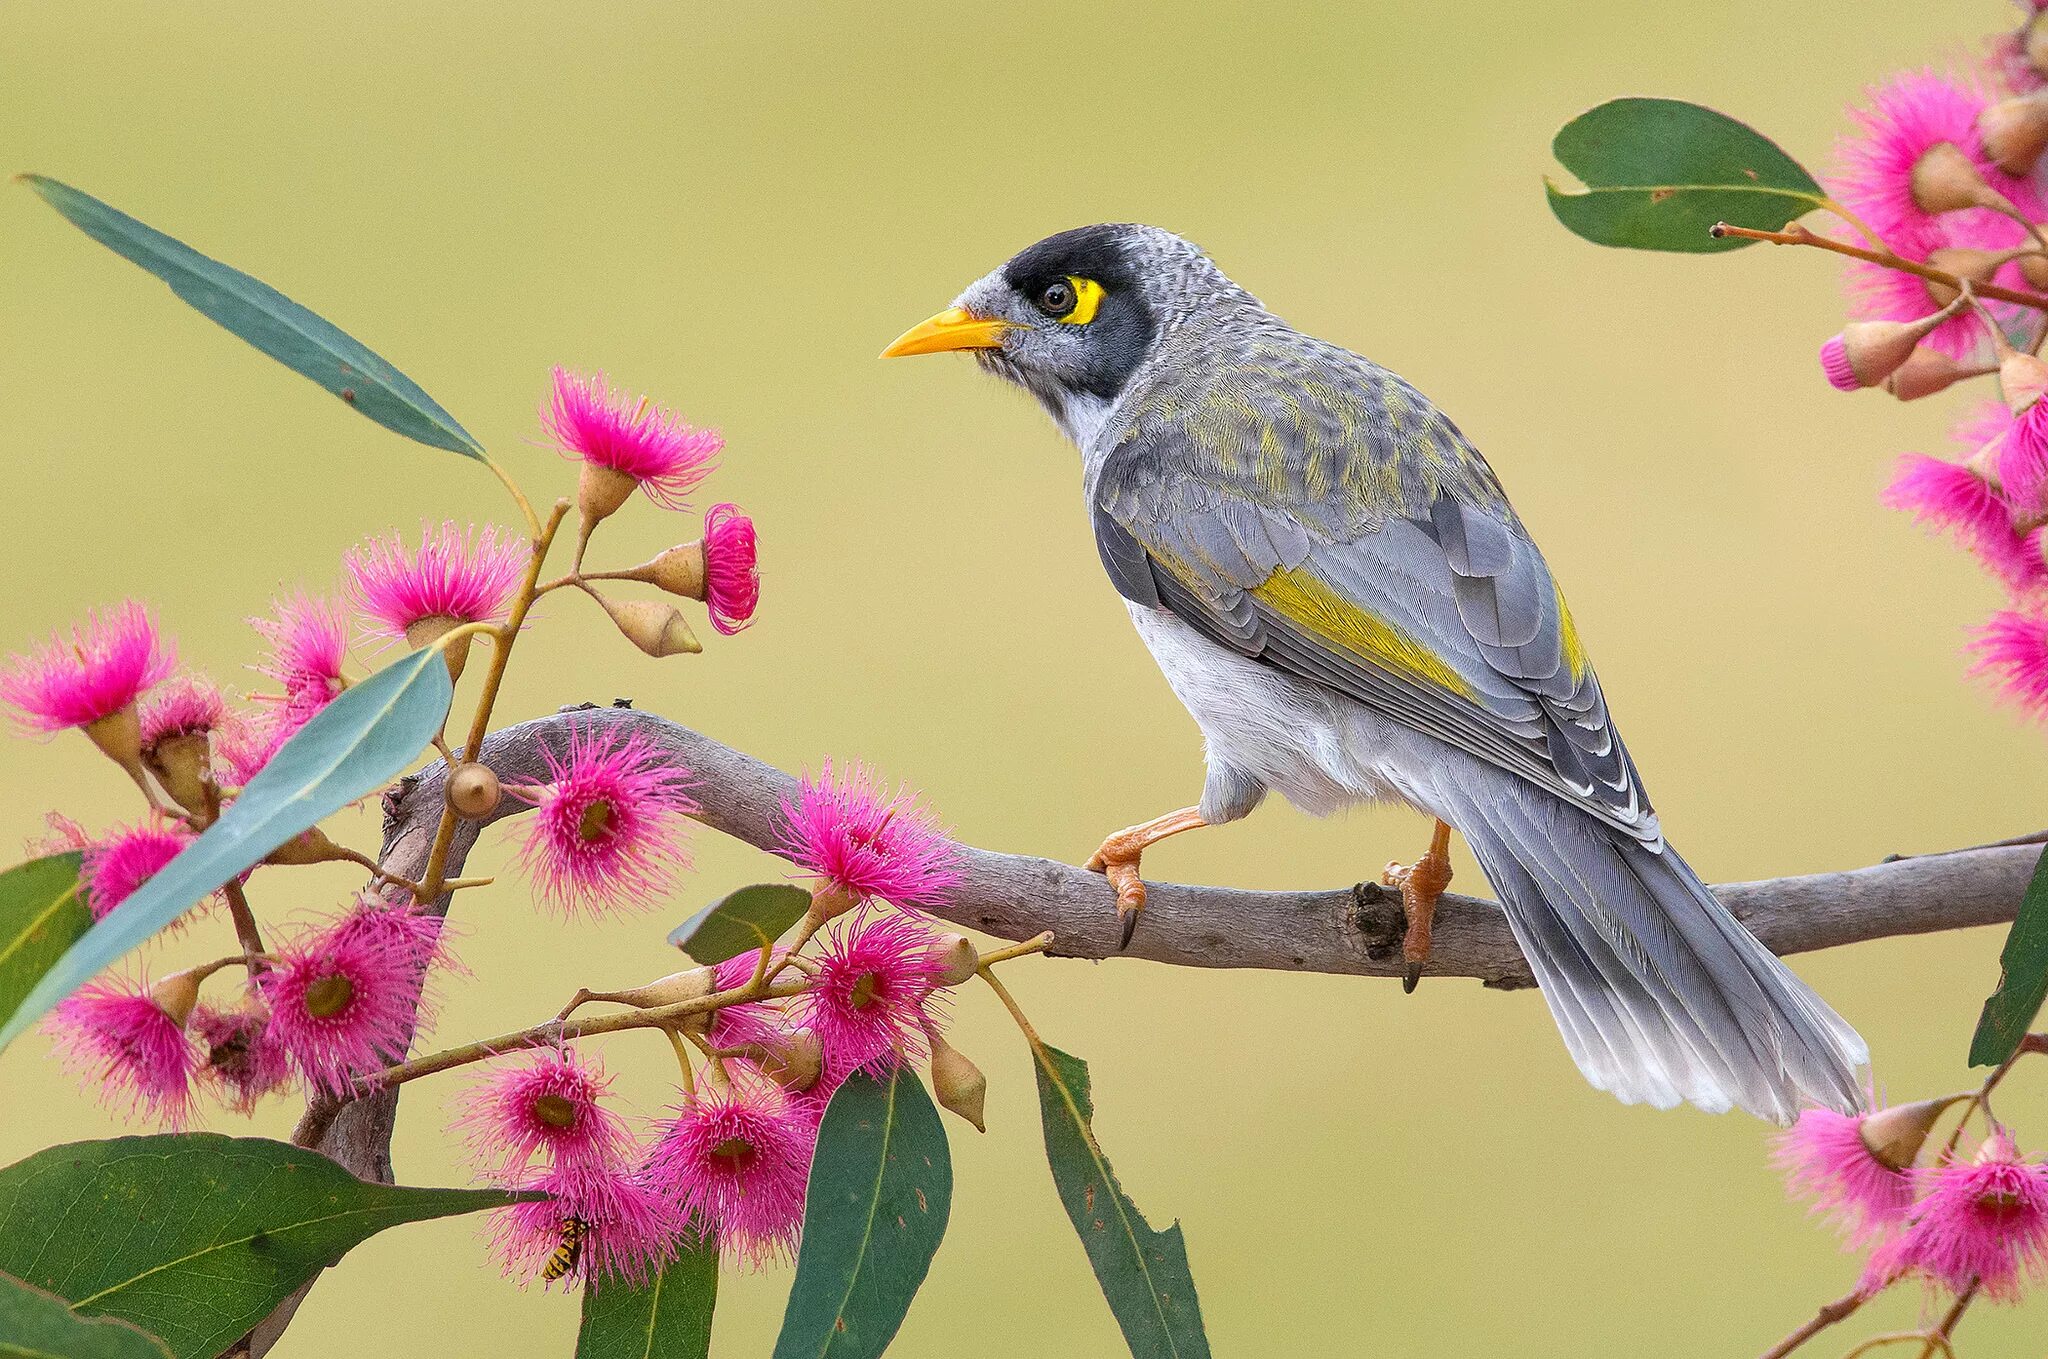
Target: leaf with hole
{"type": "Point", "coordinates": [745, 921]}
{"type": "Point", "coordinates": [668, 1317]}
{"type": "Point", "coordinates": [1658, 173]}
{"type": "Point", "coordinates": [880, 1193]}
{"type": "Point", "coordinates": [355, 745]}
{"type": "Point", "coordinates": [41, 915]}
{"type": "Point", "coordinates": [193, 1236]}
{"type": "Point", "coordinates": [2022, 978]}
{"type": "Point", "coordinates": [1144, 1273]}
{"type": "Point", "coordinates": [39, 1325]}
{"type": "Point", "coordinates": [302, 341]}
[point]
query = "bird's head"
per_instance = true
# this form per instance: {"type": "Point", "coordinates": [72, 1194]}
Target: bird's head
{"type": "Point", "coordinates": [1074, 317]}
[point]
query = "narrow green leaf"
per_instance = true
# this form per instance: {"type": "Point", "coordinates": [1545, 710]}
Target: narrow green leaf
{"type": "Point", "coordinates": [38, 1325]}
{"type": "Point", "coordinates": [194, 1236]}
{"type": "Point", "coordinates": [1144, 1273]}
{"type": "Point", "coordinates": [1659, 172]}
{"type": "Point", "coordinates": [297, 338]}
{"type": "Point", "coordinates": [881, 1191]}
{"type": "Point", "coordinates": [2022, 978]}
{"type": "Point", "coordinates": [41, 915]}
{"type": "Point", "coordinates": [355, 745]}
{"type": "Point", "coordinates": [745, 921]}
{"type": "Point", "coordinates": [668, 1318]}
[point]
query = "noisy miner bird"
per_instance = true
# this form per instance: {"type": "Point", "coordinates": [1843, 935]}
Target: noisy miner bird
{"type": "Point", "coordinates": [1336, 587]}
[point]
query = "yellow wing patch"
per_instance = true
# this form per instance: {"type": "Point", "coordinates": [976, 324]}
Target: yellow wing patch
{"type": "Point", "coordinates": [1568, 635]}
{"type": "Point", "coordinates": [1302, 598]}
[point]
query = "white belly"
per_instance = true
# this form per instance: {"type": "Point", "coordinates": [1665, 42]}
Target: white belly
{"type": "Point", "coordinates": [1317, 749]}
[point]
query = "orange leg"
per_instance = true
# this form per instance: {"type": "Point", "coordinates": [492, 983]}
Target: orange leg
{"type": "Point", "coordinates": [1117, 859]}
{"type": "Point", "coordinates": [1421, 883]}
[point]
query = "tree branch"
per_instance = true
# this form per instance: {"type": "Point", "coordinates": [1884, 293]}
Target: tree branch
{"type": "Point", "coordinates": [1355, 930]}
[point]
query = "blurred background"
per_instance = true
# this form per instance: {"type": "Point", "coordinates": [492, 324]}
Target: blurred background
{"type": "Point", "coordinates": [734, 208]}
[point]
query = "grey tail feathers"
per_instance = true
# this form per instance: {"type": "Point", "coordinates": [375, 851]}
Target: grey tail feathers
{"type": "Point", "coordinates": [1661, 994]}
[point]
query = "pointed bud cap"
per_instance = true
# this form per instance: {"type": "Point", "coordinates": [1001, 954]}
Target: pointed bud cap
{"type": "Point", "coordinates": [656, 628]}
{"type": "Point", "coordinates": [959, 1083]}
{"type": "Point", "coordinates": [1944, 180]}
{"type": "Point", "coordinates": [473, 790]}
{"type": "Point", "coordinates": [308, 847]}
{"type": "Point", "coordinates": [2015, 133]}
{"type": "Point", "coordinates": [956, 958]}
{"type": "Point", "coordinates": [1894, 1136]}
{"type": "Point", "coordinates": [673, 989]}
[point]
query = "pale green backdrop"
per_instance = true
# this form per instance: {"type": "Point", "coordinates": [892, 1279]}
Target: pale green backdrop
{"type": "Point", "coordinates": [736, 207]}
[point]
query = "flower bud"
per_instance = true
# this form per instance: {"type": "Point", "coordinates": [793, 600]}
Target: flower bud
{"type": "Point", "coordinates": [1930, 371]}
{"type": "Point", "coordinates": [600, 491]}
{"type": "Point", "coordinates": [1945, 180]}
{"type": "Point", "coordinates": [794, 1061]}
{"type": "Point", "coordinates": [1868, 352]}
{"type": "Point", "coordinates": [1894, 1136]}
{"type": "Point", "coordinates": [176, 994]}
{"type": "Point", "coordinates": [958, 1083]}
{"type": "Point", "coordinates": [656, 628]}
{"type": "Point", "coordinates": [1975, 266]}
{"type": "Point", "coordinates": [2015, 133]}
{"type": "Point", "coordinates": [184, 766]}
{"type": "Point", "coordinates": [673, 989]}
{"type": "Point", "coordinates": [308, 847]}
{"type": "Point", "coordinates": [956, 958]}
{"type": "Point", "coordinates": [473, 791]}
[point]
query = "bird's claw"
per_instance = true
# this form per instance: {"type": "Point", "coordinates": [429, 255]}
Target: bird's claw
{"type": "Point", "coordinates": [1130, 892]}
{"type": "Point", "coordinates": [1420, 883]}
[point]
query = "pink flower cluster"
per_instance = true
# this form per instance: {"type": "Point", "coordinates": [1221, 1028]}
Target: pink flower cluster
{"type": "Point", "coordinates": [1948, 171]}
{"type": "Point", "coordinates": [1958, 1225]}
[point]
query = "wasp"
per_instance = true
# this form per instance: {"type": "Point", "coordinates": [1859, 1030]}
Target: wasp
{"type": "Point", "coordinates": [574, 1230]}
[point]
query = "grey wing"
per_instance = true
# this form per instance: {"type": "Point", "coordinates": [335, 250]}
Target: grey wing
{"type": "Point", "coordinates": [1447, 621]}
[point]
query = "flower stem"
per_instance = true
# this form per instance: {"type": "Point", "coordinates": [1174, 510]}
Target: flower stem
{"type": "Point", "coordinates": [246, 933]}
{"type": "Point", "coordinates": [1010, 1003]}
{"type": "Point", "coordinates": [1828, 1315]}
{"type": "Point", "coordinates": [533, 529]}
{"type": "Point", "coordinates": [1037, 943]}
{"type": "Point", "coordinates": [1797, 234]}
{"type": "Point", "coordinates": [432, 881]}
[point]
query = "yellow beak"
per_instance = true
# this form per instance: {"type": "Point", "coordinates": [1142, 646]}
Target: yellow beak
{"type": "Point", "coordinates": [950, 329]}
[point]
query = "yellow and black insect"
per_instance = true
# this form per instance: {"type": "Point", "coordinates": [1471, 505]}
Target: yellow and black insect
{"type": "Point", "coordinates": [574, 1230]}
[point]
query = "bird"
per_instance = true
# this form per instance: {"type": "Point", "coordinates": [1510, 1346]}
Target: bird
{"type": "Point", "coordinates": [1335, 586]}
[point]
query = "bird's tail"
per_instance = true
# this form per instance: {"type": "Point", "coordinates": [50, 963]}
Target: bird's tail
{"type": "Point", "coordinates": [1661, 994]}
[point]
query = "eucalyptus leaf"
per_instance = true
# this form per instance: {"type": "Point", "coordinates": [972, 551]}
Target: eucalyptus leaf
{"type": "Point", "coordinates": [881, 1190]}
{"type": "Point", "coordinates": [194, 1236]}
{"type": "Point", "coordinates": [41, 915]}
{"type": "Point", "coordinates": [2022, 978]}
{"type": "Point", "coordinates": [745, 921]}
{"type": "Point", "coordinates": [1658, 173]}
{"type": "Point", "coordinates": [1144, 1273]}
{"type": "Point", "coordinates": [297, 338]}
{"type": "Point", "coordinates": [355, 745]}
{"type": "Point", "coordinates": [668, 1317]}
{"type": "Point", "coordinates": [39, 1325]}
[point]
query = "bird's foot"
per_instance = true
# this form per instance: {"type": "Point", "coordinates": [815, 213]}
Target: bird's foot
{"type": "Point", "coordinates": [1117, 859]}
{"type": "Point", "coordinates": [1421, 883]}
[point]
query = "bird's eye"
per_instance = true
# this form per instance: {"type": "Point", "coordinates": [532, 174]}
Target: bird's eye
{"type": "Point", "coordinates": [1056, 298]}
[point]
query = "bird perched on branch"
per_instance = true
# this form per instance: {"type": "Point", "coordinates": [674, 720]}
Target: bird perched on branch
{"type": "Point", "coordinates": [1336, 587]}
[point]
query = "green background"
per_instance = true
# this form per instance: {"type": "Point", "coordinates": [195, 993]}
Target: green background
{"type": "Point", "coordinates": [735, 207]}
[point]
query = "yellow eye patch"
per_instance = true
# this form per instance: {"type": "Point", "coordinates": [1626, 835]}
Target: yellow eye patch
{"type": "Point", "coordinates": [1087, 297]}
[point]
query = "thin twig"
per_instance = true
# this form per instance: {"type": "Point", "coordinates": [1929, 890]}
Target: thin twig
{"type": "Point", "coordinates": [1830, 1314]}
{"type": "Point", "coordinates": [1798, 234]}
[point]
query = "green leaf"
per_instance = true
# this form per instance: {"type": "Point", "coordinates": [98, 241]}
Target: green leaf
{"type": "Point", "coordinates": [667, 1318]}
{"type": "Point", "coordinates": [194, 1236]}
{"type": "Point", "coordinates": [881, 1190]}
{"type": "Point", "coordinates": [1660, 172]}
{"type": "Point", "coordinates": [358, 743]}
{"type": "Point", "coordinates": [1144, 1274]}
{"type": "Point", "coordinates": [267, 319]}
{"type": "Point", "coordinates": [41, 915]}
{"type": "Point", "coordinates": [745, 921]}
{"type": "Point", "coordinates": [38, 1325]}
{"type": "Point", "coordinates": [2022, 978]}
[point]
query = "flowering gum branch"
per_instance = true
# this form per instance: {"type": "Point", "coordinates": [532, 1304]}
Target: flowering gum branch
{"type": "Point", "coordinates": [1354, 930]}
{"type": "Point", "coordinates": [1798, 234]}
